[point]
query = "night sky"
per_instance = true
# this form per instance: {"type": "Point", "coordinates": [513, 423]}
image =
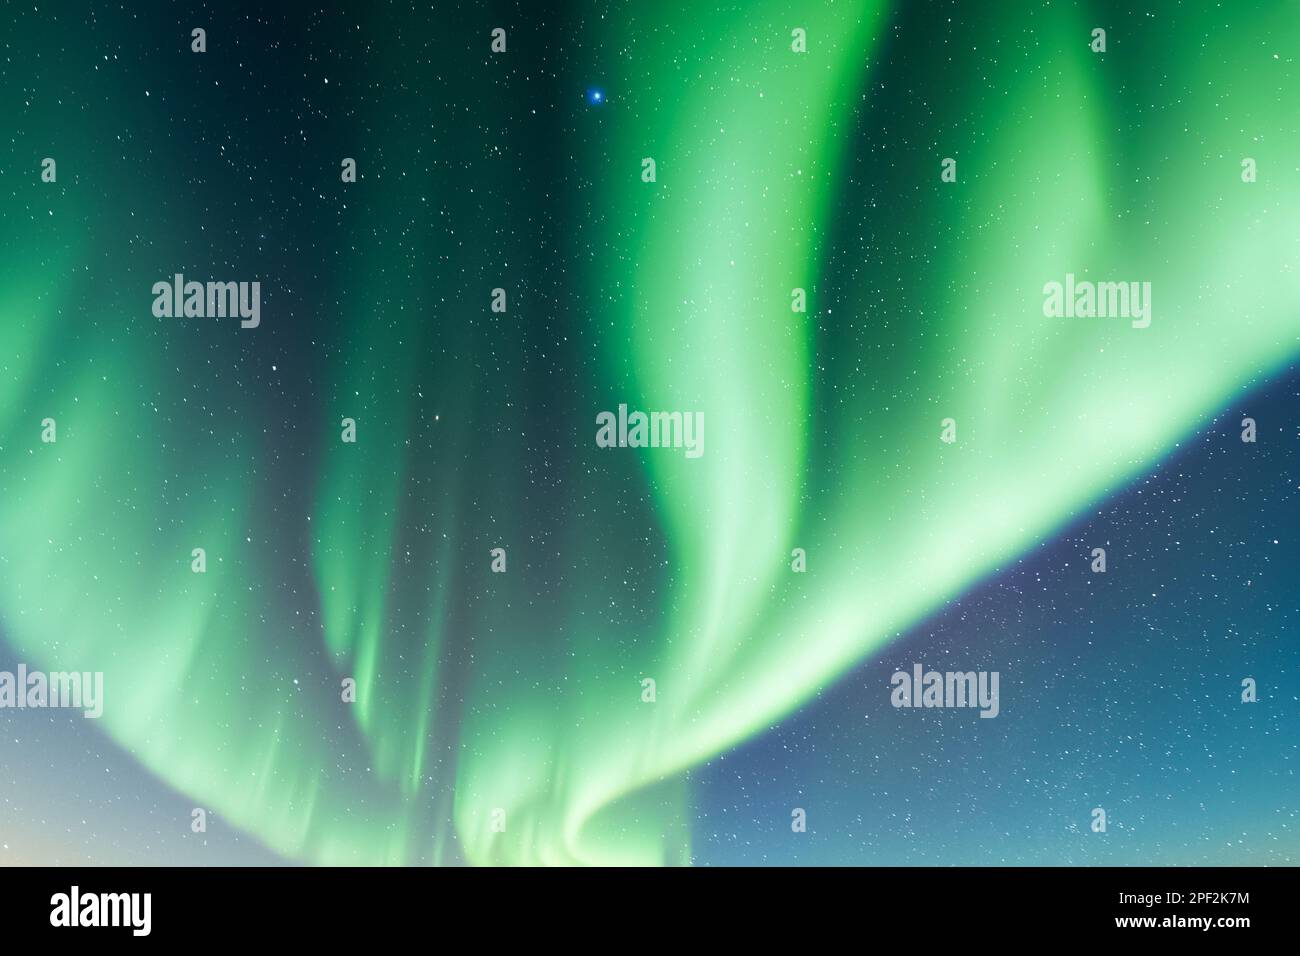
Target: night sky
{"type": "Point", "coordinates": [500, 716]}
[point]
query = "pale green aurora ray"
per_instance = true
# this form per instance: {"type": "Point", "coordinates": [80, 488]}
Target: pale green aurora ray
{"type": "Point", "coordinates": [821, 429]}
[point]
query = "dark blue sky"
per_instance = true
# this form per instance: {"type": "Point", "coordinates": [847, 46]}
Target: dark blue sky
{"type": "Point", "coordinates": [1119, 690]}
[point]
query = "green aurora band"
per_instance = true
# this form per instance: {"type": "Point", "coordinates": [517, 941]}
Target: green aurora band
{"type": "Point", "coordinates": [522, 692]}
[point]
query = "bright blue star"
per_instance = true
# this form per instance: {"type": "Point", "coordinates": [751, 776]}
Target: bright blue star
{"type": "Point", "coordinates": [595, 97]}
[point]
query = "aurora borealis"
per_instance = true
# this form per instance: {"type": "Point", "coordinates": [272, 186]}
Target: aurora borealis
{"type": "Point", "coordinates": [775, 170]}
